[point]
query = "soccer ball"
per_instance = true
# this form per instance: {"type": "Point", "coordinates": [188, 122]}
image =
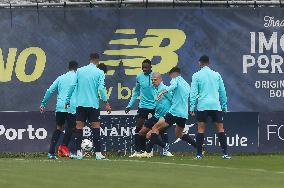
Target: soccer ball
{"type": "Point", "coordinates": [87, 145]}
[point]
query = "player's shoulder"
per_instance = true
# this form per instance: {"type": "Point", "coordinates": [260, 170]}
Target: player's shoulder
{"type": "Point", "coordinates": [196, 74]}
{"type": "Point", "coordinates": [215, 73]}
{"type": "Point", "coordinates": [140, 76]}
{"type": "Point", "coordinates": [101, 72]}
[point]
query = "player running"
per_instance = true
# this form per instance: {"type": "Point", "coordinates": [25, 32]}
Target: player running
{"type": "Point", "coordinates": [177, 114]}
{"type": "Point", "coordinates": [162, 107]}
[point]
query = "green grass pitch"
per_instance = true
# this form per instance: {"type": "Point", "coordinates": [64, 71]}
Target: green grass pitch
{"type": "Point", "coordinates": [252, 171]}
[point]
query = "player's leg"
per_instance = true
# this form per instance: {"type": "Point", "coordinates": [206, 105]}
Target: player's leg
{"type": "Point", "coordinates": [142, 140]}
{"type": "Point", "coordinates": [142, 115]}
{"type": "Point", "coordinates": [60, 120]}
{"type": "Point", "coordinates": [96, 129]}
{"type": "Point", "coordinates": [143, 132]}
{"type": "Point", "coordinates": [180, 134]}
{"type": "Point", "coordinates": [202, 117]}
{"type": "Point", "coordinates": [77, 135]}
{"type": "Point", "coordinates": [71, 124]}
{"type": "Point", "coordinates": [154, 136]}
{"type": "Point", "coordinates": [217, 118]}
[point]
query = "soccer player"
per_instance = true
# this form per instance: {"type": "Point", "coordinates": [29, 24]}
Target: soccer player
{"type": "Point", "coordinates": [177, 114]}
{"type": "Point", "coordinates": [62, 85]}
{"type": "Point", "coordinates": [208, 88]}
{"type": "Point", "coordinates": [162, 107]}
{"type": "Point", "coordinates": [90, 83]}
{"type": "Point", "coordinates": [145, 89]}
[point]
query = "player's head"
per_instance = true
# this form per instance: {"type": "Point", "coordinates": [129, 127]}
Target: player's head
{"type": "Point", "coordinates": [156, 79]}
{"type": "Point", "coordinates": [174, 72]}
{"type": "Point", "coordinates": [147, 66]}
{"type": "Point", "coordinates": [73, 65]}
{"type": "Point", "coordinates": [94, 58]}
{"type": "Point", "coordinates": [204, 61]}
{"type": "Point", "coordinates": [103, 67]}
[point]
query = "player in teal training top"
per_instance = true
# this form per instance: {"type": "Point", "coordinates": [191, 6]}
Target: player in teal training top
{"type": "Point", "coordinates": [162, 107]}
{"type": "Point", "coordinates": [62, 85]}
{"type": "Point", "coordinates": [145, 90]}
{"type": "Point", "coordinates": [90, 82]}
{"type": "Point", "coordinates": [178, 112]}
{"type": "Point", "coordinates": [208, 89]}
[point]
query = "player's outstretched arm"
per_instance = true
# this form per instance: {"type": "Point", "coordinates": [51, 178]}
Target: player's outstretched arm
{"type": "Point", "coordinates": [49, 91]}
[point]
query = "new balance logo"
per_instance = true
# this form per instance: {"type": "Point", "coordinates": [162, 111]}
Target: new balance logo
{"type": "Point", "coordinates": [130, 52]}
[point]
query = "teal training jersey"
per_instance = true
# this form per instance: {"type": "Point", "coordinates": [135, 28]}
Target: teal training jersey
{"type": "Point", "coordinates": [164, 104]}
{"type": "Point", "coordinates": [145, 89]}
{"type": "Point", "coordinates": [90, 82]}
{"type": "Point", "coordinates": [208, 88]}
{"type": "Point", "coordinates": [180, 89]}
{"type": "Point", "coordinates": [62, 85]}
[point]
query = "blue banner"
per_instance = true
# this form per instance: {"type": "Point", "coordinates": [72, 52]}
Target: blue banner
{"type": "Point", "coordinates": [35, 47]}
{"type": "Point", "coordinates": [271, 134]}
{"type": "Point", "coordinates": [31, 132]}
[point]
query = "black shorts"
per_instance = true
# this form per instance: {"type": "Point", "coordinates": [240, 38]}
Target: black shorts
{"type": "Point", "coordinates": [87, 113]}
{"type": "Point", "coordinates": [61, 117]}
{"type": "Point", "coordinates": [216, 116]}
{"type": "Point", "coordinates": [144, 112]}
{"type": "Point", "coordinates": [179, 121]}
{"type": "Point", "coordinates": [151, 122]}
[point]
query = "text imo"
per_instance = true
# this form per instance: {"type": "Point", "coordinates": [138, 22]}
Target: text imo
{"type": "Point", "coordinates": [18, 134]}
{"type": "Point", "coordinates": [275, 131]}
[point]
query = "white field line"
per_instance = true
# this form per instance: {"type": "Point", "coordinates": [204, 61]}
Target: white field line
{"type": "Point", "coordinates": [204, 166]}
{"type": "Point", "coordinates": [164, 163]}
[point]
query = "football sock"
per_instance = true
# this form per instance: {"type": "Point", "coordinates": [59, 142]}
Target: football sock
{"type": "Point", "coordinates": [199, 142]}
{"type": "Point", "coordinates": [223, 142]}
{"type": "Point", "coordinates": [156, 139]}
{"type": "Point", "coordinates": [189, 140]}
{"type": "Point", "coordinates": [137, 139]}
{"type": "Point", "coordinates": [96, 139]}
{"type": "Point", "coordinates": [54, 140]}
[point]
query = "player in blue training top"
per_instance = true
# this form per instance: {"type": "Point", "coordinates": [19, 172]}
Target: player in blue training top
{"type": "Point", "coordinates": [90, 82]}
{"type": "Point", "coordinates": [145, 89]}
{"type": "Point", "coordinates": [62, 85]}
{"type": "Point", "coordinates": [208, 89]}
{"type": "Point", "coordinates": [178, 112]}
{"type": "Point", "coordinates": [162, 107]}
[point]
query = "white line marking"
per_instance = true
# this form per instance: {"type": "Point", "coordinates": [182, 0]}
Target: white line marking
{"type": "Point", "coordinates": [162, 163]}
{"type": "Point", "coordinates": [204, 166]}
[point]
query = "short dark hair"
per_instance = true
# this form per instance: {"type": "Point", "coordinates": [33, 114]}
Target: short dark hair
{"type": "Point", "coordinates": [94, 56]}
{"type": "Point", "coordinates": [103, 67]}
{"type": "Point", "coordinates": [73, 65]}
{"type": "Point", "coordinates": [204, 59]}
{"type": "Point", "coordinates": [147, 61]}
{"type": "Point", "coordinates": [175, 69]}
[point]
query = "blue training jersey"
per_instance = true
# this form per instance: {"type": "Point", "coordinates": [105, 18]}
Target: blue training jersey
{"type": "Point", "coordinates": [208, 88]}
{"type": "Point", "coordinates": [145, 89]}
{"type": "Point", "coordinates": [90, 82]}
{"type": "Point", "coordinates": [163, 105]}
{"type": "Point", "coordinates": [62, 85]}
{"type": "Point", "coordinates": [180, 90]}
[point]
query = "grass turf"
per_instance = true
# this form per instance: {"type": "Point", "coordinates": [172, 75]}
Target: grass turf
{"type": "Point", "coordinates": [241, 171]}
